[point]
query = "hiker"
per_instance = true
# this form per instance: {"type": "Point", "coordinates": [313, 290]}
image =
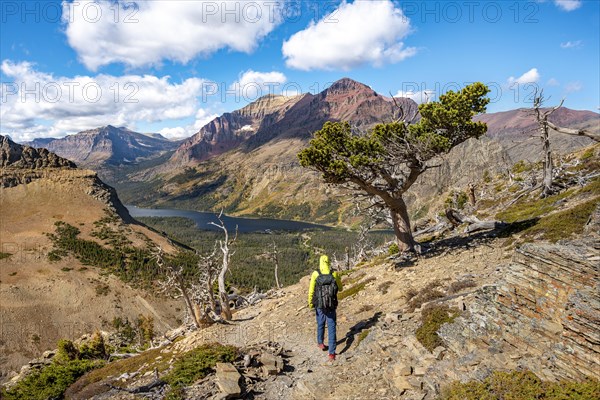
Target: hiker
{"type": "Point", "coordinates": [322, 296]}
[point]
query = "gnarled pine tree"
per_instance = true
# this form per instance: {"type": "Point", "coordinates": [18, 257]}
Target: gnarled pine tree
{"type": "Point", "coordinates": [385, 162]}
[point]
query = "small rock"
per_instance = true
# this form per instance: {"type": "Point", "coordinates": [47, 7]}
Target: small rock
{"type": "Point", "coordinates": [271, 365]}
{"type": "Point", "coordinates": [286, 380]}
{"type": "Point", "coordinates": [393, 317]}
{"type": "Point", "coordinates": [420, 371]}
{"type": "Point", "coordinates": [403, 370]}
{"type": "Point", "coordinates": [228, 380]}
{"type": "Point", "coordinates": [416, 383]}
{"type": "Point", "coordinates": [439, 352]}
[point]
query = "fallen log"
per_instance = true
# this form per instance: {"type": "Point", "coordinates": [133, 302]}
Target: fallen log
{"type": "Point", "coordinates": [484, 225]}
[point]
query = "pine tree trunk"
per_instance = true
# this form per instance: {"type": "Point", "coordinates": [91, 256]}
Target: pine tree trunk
{"type": "Point", "coordinates": [401, 223]}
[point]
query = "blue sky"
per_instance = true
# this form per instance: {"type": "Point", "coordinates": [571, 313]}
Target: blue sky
{"type": "Point", "coordinates": [171, 66]}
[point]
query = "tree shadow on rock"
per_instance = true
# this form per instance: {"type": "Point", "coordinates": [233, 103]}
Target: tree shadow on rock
{"type": "Point", "coordinates": [356, 329]}
{"type": "Point", "coordinates": [465, 241]}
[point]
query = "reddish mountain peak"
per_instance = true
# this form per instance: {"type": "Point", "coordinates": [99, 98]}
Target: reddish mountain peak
{"type": "Point", "coordinates": [347, 86]}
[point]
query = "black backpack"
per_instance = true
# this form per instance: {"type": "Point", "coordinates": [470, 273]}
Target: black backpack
{"type": "Point", "coordinates": [326, 291]}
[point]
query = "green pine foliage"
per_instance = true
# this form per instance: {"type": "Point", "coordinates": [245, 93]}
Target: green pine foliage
{"type": "Point", "coordinates": [131, 264]}
{"type": "Point", "coordinates": [51, 381]}
{"type": "Point", "coordinates": [198, 363]}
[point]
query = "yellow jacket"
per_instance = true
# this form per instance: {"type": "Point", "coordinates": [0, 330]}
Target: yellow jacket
{"type": "Point", "coordinates": [325, 269]}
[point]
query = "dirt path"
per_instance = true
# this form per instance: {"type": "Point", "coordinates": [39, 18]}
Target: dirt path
{"type": "Point", "coordinates": [360, 368]}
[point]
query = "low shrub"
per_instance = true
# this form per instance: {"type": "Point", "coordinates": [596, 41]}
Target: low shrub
{"type": "Point", "coordinates": [457, 286]}
{"type": "Point", "coordinates": [198, 363]}
{"type": "Point", "coordinates": [432, 318]}
{"type": "Point", "coordinates": [352, 290]}
{"type": "Point", "coordinates": [517, 385]}
{"type": "Point", "coordinates": [428, 293]}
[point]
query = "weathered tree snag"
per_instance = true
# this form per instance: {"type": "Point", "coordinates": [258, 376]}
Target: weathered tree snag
{"type": "Point", "coordinates": [475, 224]}
{"type": "Point", "coordinates": [471, 193]}
{"type": "Point", "coordinates": [574, 132]}
{"type": "Point", "coordinates": [484, 225]}
{"type": "Point", "coordinates": [224, 245]}
{"type": "Point", "coordinates": [454, 217]}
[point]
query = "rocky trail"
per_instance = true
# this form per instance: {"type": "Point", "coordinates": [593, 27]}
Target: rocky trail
{"type": "Point", "coordinates": [369, 323]}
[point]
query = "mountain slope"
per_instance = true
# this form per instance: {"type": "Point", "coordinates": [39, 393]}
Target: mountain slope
{"type": "Point", "coordinates": [107, 145]}
{"type": "Point", "coordinates": [42, 300]}
{"type": "Point", "coordinates": [516, 131]}
{"type": "Point", "coordinates": [245, 161]}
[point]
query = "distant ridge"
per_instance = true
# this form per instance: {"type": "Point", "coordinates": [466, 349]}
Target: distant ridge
{"type": "Point", "coordinates": [107, 145]}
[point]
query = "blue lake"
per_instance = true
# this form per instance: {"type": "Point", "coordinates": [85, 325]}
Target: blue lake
{"type": "Point", "coordinates": [202, 220]}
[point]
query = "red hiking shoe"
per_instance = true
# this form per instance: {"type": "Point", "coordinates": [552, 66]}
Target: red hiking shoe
{"type": "Point", "coordinates": [322, 347]}
{"type": "Point", "coordinates": [332, 357]}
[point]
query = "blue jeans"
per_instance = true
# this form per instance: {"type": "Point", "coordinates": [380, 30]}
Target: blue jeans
{"type": "Point", "coordinates": [329, 317]}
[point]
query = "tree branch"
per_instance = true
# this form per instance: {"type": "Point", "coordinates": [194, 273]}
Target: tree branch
{"type": "Point", "coordinates": [574, 132]}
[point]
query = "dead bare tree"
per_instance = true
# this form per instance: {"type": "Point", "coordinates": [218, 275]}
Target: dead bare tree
{"type": "Point", "coordinates": [574, 132]}
{"type": "Point", "coordinates": [202, 291]}
{"type": "Point", "coordinates": [471, 193]}
{"type": "Point", "coordinates": [275, 257]}
{"type": "Point", "coordinates": [175, 280]}
{"type": "Point", "coordinates": [542, 120]}
{"type": "Point", "coordinates": [227, 253]}
{"type": "Point", "coordinates": [544, 127]}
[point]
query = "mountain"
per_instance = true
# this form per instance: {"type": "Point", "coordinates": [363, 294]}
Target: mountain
{"type": "Point", "coordinates": [245, 161]}
{"type": "Point", "coordinates": [232, 129]}
{"type": "Point", "coordinates": [108, 148]}
{"type": "Point", "coordinates": [516, 130]}
{"type": "Point", "coordinates": [289, 117]}
{"type": "Point", "coordinates": [43, 300]}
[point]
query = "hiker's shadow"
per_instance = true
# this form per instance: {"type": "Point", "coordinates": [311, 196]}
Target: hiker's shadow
{"type": "Point", "coordinates": [356, 329]}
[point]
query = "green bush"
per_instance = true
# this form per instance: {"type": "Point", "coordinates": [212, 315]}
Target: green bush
{"type": "Point", "coordinates": [520, 385]}
{"type": "Point", "coordinates": [393, 249]}
{"type": "Point", "coordinates": [456, 200]}
{"type": "Point", "coordinates": [352, 290]}
{"type": "Point", "coordinates": [67, 351]}
{"type": "Point", "coordinates": [50, 382]}
{"type": "Point", "coordinates": [94, 349]}
{"type": "Point", "coordinates": [198, 363]}
{"type": "Point", "coordinates": [432, 318]}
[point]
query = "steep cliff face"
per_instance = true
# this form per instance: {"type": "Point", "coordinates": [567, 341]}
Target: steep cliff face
{"type": "Point", "coordinates": [15, 156]}
{"type": "Point", "coordinates": [542, 316]}
{"type": "Point", "coordinates": [232, 129]}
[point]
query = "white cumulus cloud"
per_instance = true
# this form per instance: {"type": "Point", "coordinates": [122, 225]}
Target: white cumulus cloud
{"type": "Point", "coordinates": [355, 34]}
{"type": "Point", "coordinates": [39, 104]}
{"type": "Point", "coordinates": [145, 32]}
{"type": "Point", "coordinates": [253, 84]}
{"type": "Point", "coordinates": [531, 76]}
{"type": "Point", "coordinates": [203, 117]}
{"type": "Point", "coordinates": [568, 5]}
{"type": "Point", "coordinates": [421, 96]}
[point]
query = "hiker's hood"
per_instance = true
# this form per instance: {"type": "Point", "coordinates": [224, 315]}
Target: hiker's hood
{"type": "Point", "coordinates": [324, 265]}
